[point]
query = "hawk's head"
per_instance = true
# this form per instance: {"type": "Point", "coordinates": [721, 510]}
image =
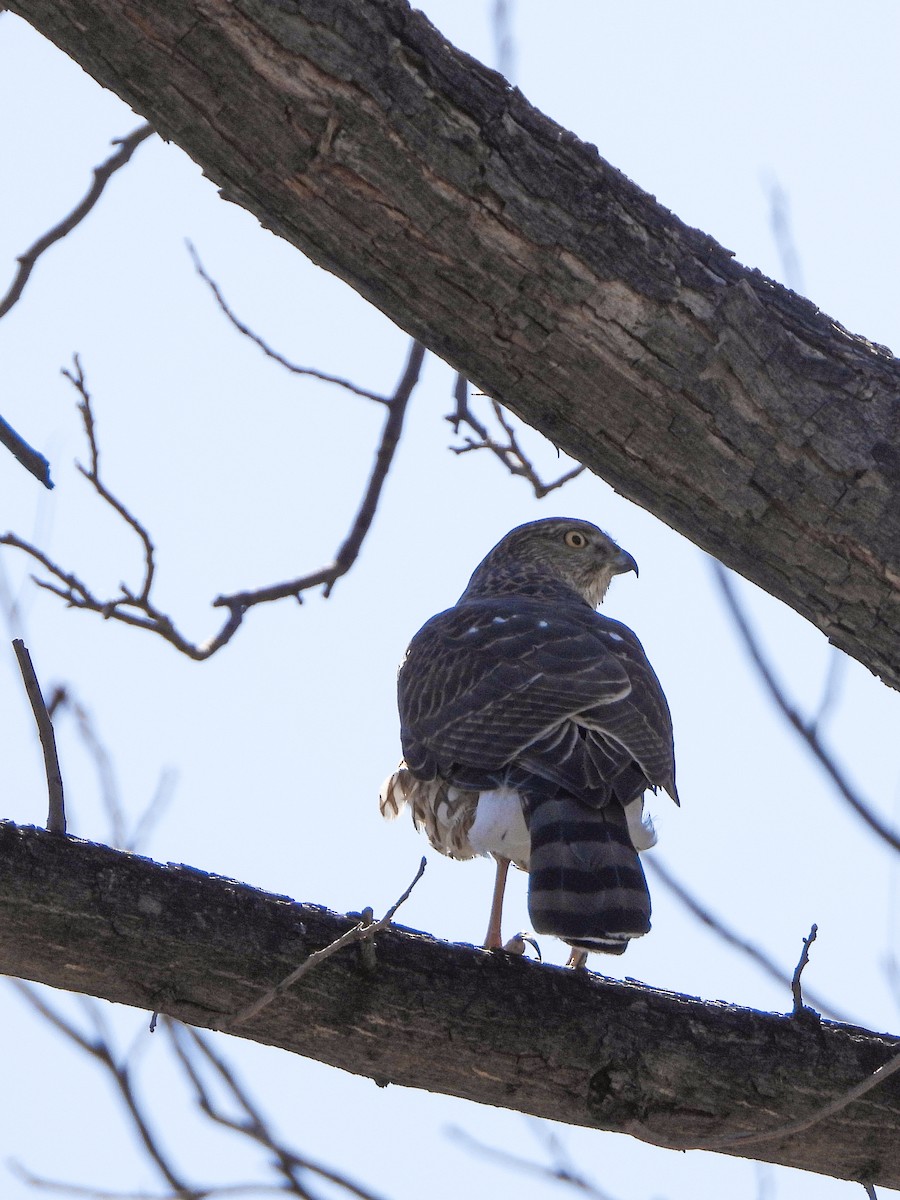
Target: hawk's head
{"type": "Point", "coordinates": [535, 559]}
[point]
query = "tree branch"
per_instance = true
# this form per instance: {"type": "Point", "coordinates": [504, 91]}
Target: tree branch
{"type": "Point", "coordinates": [137, 608]}
{"type": "Point", "coordinates": [32, 460]}
{"type": "Point", "coordinates": [56, 808]}
{"type": "Point", "coordinates": [445, 1018]}
{"type": "Point", "coordinates": [807, 731]}
{"type": "Point", "coordinates": [102, 175]}
{"type": "Point", "coordinates": [733, 409]}
{"type": "Point", "coordinates": [509, 452]}
{"type": "Point", "coordinates": [655, 867]}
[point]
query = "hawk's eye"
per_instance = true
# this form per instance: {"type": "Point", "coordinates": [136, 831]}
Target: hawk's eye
{"type": "Point", "coordinates": [575, 539]}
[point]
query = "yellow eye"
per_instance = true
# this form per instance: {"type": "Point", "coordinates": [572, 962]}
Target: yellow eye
{"type": "Point", "coordinates": [575, 539]}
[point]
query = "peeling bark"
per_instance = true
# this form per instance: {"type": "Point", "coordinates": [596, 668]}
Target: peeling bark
{"type": "Point", "coordinates": [491, 1028]}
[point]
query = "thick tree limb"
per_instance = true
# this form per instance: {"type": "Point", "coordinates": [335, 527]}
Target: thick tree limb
{"type": "Point", "coordinates": [445, 1018]}
{"type": "Point", "coordinates": [727, 405]}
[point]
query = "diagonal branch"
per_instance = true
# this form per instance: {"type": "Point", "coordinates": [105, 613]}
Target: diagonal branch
{"type": "Point", "coordinates": [102, 1051]}
{"type": "Point", "coordinates": [350, 547]}
{"type": "Point", "coordinates": [32, 460]}
{"type": "Point", "coordinates": [252, 1124]}
{"type": "Point", "coordinates": [807, 732]}
{"type": "Point", "coordinates": [247, 332]}
{"type": "Point", "coordinates": [102, 175]}
{"type": "Point", "coordinates": [655, 867]}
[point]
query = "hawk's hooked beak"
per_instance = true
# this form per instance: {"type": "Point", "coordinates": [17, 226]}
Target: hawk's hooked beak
{"type": "Point", "coordinates": [623, 563]}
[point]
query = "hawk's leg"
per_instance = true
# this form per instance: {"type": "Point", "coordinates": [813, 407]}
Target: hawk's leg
{"type": "Point", "coordinates": [577, 959]}
{"type": "Point", "coordinates": [493, 940]}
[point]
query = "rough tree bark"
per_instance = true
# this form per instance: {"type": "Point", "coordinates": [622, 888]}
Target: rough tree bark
{"type": "Point", "coordinates": [725, 404]}
{"type": "Point", "coordinates": [449, 1018]}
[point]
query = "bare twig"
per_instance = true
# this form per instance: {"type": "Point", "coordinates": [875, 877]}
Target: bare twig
{"type": "Point", "coordinates": [100, 1049]}
{"type": "Point", "coordinates": [653, 864]}
{"type": "Point", "coordinates": [799, 1006]}
{"type": "Point", "coordinates": [102, 175]}
{"type": "Point", "coordinates": [363, 930]}
{"type": "Point", "coordinates": [31, 459]}
{"type": "Point", "coordinates": [510, 452]}
{"type": "Point", "coordinates": [350, 547]}
{"type": "Point", "coordinates": [266, 348]}
{"type": "Point", "coordinates": [782, 1131]}
{"type": "Point", "coordinates": [92, 474]}
{"type": "Point", "coordinates": [837, 663]}
{"type": "Point", "coordinates": [64, 700]}
{"type": "Point", "coordinates": [780, 221]}
{"type": "Point", "coordinates": [92, 1193]}
{"type": "Point", "coordinates": [870, 1191]}
{"type": "Point", "coordinates": [504, 43]}
{"type": "Point", "coordinates": [136, 607]}
{"type": "Point", "coordinates": [250, 1122]}
{"type": "Point", "coordinates": [56, 816]}
{"type": "Point", "coordinates": [560, 1170]}
{"type": "Point", "coordinates": [806, 731]}
{"type": "Point", "coordinates": [253, 1125]}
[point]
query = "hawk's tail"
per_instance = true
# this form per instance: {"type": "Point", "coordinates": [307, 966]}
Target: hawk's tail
{"type": "Point", "coordinates": [586, 884]}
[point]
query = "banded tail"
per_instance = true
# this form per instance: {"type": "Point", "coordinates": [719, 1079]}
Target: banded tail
{"type": "Point", "coordinates": [586, 883]}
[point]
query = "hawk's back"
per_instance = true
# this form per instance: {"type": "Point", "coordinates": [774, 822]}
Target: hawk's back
{"type": "Point", "coordinates": [522, 690]}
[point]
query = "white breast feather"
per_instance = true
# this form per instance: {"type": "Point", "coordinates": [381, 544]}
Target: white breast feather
{"type": "Point", "coordinates": [499, 827]}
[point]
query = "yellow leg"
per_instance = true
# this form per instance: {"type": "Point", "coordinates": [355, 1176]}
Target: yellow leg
{"type": "Point", "coordinates": [493, 940]}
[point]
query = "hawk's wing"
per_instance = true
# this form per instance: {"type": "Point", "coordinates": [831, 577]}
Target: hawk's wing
{"type": "Point", "coordinates": [505, 688]}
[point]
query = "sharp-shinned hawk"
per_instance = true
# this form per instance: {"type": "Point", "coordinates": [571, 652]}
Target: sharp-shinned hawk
{"type": "Point", "coordinates": [531, 727]}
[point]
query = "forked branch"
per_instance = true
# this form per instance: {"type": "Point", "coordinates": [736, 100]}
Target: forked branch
{"type": "Point", "coordinates": [137, 607]}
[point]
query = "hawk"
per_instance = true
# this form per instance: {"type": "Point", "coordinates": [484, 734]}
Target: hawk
{"type": "Point", "coordinates": [531, 727]}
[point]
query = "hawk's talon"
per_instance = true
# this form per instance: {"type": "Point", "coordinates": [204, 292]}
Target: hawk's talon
{"type": "Point", "coordinates": [517, 944]}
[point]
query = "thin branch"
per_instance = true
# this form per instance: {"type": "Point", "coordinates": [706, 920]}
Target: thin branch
{"type": "Point", "coordinates": [837, 663]}
{"type": "Point", "coordinates": [360, 932]}
{"type": "Point", "coordinates": [92, 474]}
{"type": "Point", "coordinates": [101, 1050]}
{"type": "Point", "coordinates": [771, 968]}
{"type": "Point", "coordinates": [56, 815]}
{"type": "Point", "coordinates": [64, 700]}
{"type": "Point", "coordinates": [780, 222]}
{"type": "Point", "coordinates": [255, 1126]}
{"type": "Point", "coordinates": [136, 608]}
{"type": "Point", "coordinates": [349, 550]}
{"type": "Point", "coordinates": [102, 175]}
{"type": "Point", "coordinates": [32, 460]}
{"type": "Point", "coordinates": [796, 989]}
{"type": "Point", "coordinates": [806, 731]}
{"type": "Point", "coordinates": [510, 452]}
{"type": "Point", "coordinates": [560, 1171]}
{"type": "Point", "coordinates": [266, 348]}
{"type": "Point", "coordinates": [504, 42]}
{"type": "Point", "coordinates": [90, 1193]}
